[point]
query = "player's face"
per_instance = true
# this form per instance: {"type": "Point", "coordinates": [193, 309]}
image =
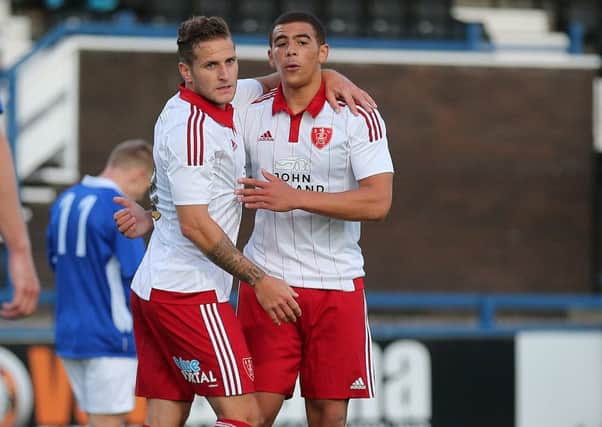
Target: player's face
{"type": "Point", "coordinates": [214, 72]}
{"type": "Point", "coordinates": [296, 54]}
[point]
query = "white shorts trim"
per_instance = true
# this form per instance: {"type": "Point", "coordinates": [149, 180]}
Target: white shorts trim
{"type": "Point", "coordinates": [103, 385]}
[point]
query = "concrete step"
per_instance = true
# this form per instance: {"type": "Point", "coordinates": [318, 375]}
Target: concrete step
{"type": "Point", "coordinates": [515, 28]}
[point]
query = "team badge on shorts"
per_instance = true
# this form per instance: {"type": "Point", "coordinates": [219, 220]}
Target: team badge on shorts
{"type": "Point", "coordinates": [247, 362]}
{"type": "Point", "coordinates": [320, 137]}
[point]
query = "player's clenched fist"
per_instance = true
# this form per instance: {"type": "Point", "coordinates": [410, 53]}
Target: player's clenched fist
{"type": "Point", "coordinates": [132, 221]}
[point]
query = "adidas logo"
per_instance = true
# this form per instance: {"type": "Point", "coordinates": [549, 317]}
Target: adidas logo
{"type": "Point", "coordinates": [266, 136]}
{"type": "Point", "coordinates": [358, 384]}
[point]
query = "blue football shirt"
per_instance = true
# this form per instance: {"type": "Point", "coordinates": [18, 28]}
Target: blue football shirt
{"type": "Point", "coordinates": [93, 264]}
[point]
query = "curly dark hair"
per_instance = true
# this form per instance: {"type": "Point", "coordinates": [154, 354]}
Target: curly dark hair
{"type": "Point", "coordinates": [199, 29]}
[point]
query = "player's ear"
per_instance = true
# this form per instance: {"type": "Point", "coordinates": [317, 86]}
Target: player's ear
{"type": "Point", "coordinates": [271, 59]}
{"type": "Point", "coordinates": [323, 53]}
{"type": "Point", "coordinates": [184, 70]}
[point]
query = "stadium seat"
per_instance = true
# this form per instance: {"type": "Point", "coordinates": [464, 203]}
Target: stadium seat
{"type": "Point", "coordinates": [169, 11]}
{"type": "Point", "coordinates": [253, 16]}
{"type": "Point", "coordinates": [344, 17]}
{"type": "Point", "coordinates": [54, 4]}
{"type": "Point", "coordinates": [385, 18]}
{"type": "Point", "coordinates": [431, 18]}
{"type": "Point", "coordinates": [298, 5]}
{"type": "Point", "coordinates": [102, 5]}
{"type": "Point", "coordinates": [213, 8]}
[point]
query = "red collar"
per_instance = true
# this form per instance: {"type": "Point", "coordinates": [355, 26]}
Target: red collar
{"type": "Point", "coordinates": [223, 117]}
{"type": "Point", "coordinates": [314, 107]}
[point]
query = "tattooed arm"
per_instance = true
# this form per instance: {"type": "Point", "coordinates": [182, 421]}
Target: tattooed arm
{"type": "Point", "coordinates": [274, 295]}
{"type": "Point", "coordinates": [230, 259]}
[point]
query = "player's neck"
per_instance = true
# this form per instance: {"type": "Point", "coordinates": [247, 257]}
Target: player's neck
{"type": "Point", "coordinates": [115, 175]}
{"type": "Point", "coordinates": [298, 98]}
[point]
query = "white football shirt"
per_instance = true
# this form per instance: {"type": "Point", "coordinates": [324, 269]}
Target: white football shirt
{"type": "Point", "coordinates": [199, 156]}
{"type": "Point", "coordinates": [315, 150]}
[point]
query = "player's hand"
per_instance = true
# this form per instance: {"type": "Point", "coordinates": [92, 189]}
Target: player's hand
{"type": "Point", "coordinates": [132, 221]}
{"type": "Point", "coordinates": [25, 284]}
{"type": "Point", "coordinates": [273, 194]}
{"type": "Point", "coordinates": [277, 299]}
{"type": "Point", "coordinates": [340, 87]}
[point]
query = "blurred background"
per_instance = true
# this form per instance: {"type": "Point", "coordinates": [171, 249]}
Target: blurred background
{"type": "Point", "coordinates": [485, 281]}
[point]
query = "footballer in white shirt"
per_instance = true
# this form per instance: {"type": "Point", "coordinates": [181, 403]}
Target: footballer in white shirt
{"type": "Point", "coordinates": [188, 339]}
{"type": "Point", "coordinates": [315, 173]}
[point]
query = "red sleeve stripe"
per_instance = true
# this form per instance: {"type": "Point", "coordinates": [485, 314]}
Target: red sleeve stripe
{"type": "Point", "coordinates": [369, 122]}
{"type": "Point", "coordinates": [188, 135]}
{"type": "Point", "coordinates": [195, 138]}
{"type": "Point", "coordinates": [379, 134]}
{"type": "Point", "coordinates": [375, 130]}
{"type": "Point", "coordinates": [201, 140]}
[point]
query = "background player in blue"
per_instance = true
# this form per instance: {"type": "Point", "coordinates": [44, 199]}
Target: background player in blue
{"type": "Point", "coordinates": [26, 285]}
{"type": "Point", "coordinates": [93, 266]}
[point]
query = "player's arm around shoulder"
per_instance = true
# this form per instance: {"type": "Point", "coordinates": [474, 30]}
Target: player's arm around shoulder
{"type": "Point", "coordinates": [247, 91]}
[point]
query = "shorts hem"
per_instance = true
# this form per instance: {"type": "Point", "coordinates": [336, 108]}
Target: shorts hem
{"type": "Point", "coordinates": [186, 399]}
{"type": "Point", "coordinates": [112, 411]}
{"type": "Point", "coordinates": [223, 395]}
{"type": "Point", "coordinates": [165, 397]}
{"type": "Point", "coordinates": [335, 397]}
{"type": "Point", "coordinates": [286, 394]}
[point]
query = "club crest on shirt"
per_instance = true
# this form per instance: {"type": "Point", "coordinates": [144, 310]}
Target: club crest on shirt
{"type": "Point", "coordinates": [247, 362]}
{"type": "Point", "coordinates": [320, 137]}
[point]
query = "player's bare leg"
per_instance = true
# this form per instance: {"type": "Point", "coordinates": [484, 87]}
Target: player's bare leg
{"type": "Point", "coordinates": [269, 406]}
{"type": "Point", "coordinates": [166, 413]}
{"type": "Point", "coordinates": [106, 420]}
{"type": "Point", "coordinates": [326, 412]}
{"type": "Point", "coordinates": [240, 408]}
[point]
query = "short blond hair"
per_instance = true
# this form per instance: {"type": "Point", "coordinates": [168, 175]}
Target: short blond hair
{"type": "Point", "coordinates": [131, 153]}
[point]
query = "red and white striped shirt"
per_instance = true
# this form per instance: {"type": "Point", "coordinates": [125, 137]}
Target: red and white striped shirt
{"type": "Point", "coordinates": [198, 159]}
{"type": "Point", "coordinates": [316, 150]}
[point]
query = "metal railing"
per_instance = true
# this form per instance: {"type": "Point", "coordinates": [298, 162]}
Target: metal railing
{"type": "Point", "coordinates": [485, 308]}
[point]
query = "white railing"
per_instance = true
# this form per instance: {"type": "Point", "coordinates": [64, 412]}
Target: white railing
{"type": "Point", "coordinates": [47, 112]}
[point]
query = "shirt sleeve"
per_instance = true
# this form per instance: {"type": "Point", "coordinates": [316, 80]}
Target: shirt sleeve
{"type": "Point", "coordinates": [369, 146]}
{"type": "Point", "coordinates": [191, 153]}
{"type": "Point", "coordinates": [247, 91]}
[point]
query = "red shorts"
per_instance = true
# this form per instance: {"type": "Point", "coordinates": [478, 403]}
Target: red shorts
{"type": "Point", "coordinates": [189, 344]}
{"type": "Point", "coordinates": [329, 346]}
